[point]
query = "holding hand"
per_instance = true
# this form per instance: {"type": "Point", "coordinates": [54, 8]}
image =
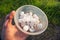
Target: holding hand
{"type": "Point", "coordinates": [10, 32]}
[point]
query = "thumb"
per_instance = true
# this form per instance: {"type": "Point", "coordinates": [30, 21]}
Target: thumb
{"type": "Point", "coordinates": [11, 16]}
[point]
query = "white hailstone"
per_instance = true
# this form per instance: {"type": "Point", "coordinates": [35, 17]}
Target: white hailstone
{"type": "Point", "coordinates": [19, 20]}
{"type": "Point", "coordinates": [26, 28]}
{"type": "Point", "coordinates": [31, 23]}
{"type": "Point", "coordinates": [37, 21]}
{"type": "Point", "coordinates": [31, 18]}
{"type": "Point", "coordinates": [34, 20]}
{"type": "Point", "coordinates": [31, 30]}
{"type": "Point", "coordinates": [27, 14]}
{"type": "Point", "coordinates": [40, 26]}
{"type": "Point", "coordinates": [22, 13]}
{"type": "Point", "coordinates": [22, 23]}
{"type": "Point", "coordinates": [21, 16]}
{"type": "Point", "coordinates": [27, 23]}
{"type": "Point", "coordinates": [30, 13]}
{"type": "Point", "coordinates": [28, 18]}
{"type": "Point", "coordinates": [32, 27]}
{"type": "Point", "coordinates": [35, 16]}
{"type": "Point", "coordinates": [25, 19]}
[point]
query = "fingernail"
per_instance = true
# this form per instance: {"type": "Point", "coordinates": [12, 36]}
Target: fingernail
{"type": "Point", "coordinates": [13, 12]}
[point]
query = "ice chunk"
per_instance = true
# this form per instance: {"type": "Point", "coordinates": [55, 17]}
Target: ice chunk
{"type": "Point", "coordinates": [37, 21]}
{"type": "Point", "coordinates": [22, 23]}
{"type": "Point", "coordinates": [22, 13]}
{"type": "Point", "coordinates": [31, 23]}
{"type": "Point", "coordinates": [34, 19]}
{"type": "Point", "coordinates": [26, 28]}
{"type": "Point", "coordinates": [20, 20]}
{"type": "Point", "coordinates": [31, 13]}
{"type": "Point", "coordinates": [32, 27]}
{"type": "Point", "coordinates": [35, 16]}
{"type": "Point", "coordinates": [27, 14]}
{"type": "Point", "coordinates": [21, 17]}
{"type": "Point", "coordinates": [28, 20]}
{"type": "Point", "coordinates": [40, 26]}
{"type": "Point", "coordinates": [31, 30]}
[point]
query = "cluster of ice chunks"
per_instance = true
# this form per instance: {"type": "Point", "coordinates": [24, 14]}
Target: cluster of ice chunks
{"type": "Point", "coordinates": [30, 22]}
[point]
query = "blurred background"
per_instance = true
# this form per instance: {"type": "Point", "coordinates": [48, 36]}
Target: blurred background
{"type": "Point", "coordinates": [51, 9]}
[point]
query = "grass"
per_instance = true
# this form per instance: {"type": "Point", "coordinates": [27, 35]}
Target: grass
{"type": "Point", "coordinates": [50, 7]}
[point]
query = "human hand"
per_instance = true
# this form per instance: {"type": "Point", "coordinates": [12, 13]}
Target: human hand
{"type": "Point", "coordinates": [10, 32]}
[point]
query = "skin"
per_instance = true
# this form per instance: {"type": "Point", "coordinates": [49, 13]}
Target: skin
{"type": "Point", "coordinates": [9, 31]}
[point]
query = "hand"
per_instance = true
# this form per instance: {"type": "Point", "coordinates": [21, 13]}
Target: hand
{"type": "Point", "coordinates": [10, 32]}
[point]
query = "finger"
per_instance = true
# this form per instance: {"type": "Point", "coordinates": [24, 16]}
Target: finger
{"type": "Point", "coordinates": [11, 16]}
{"type": "Point", "coordinates": [7, 17]}
{"type": "Point", "coordinates": [6, 22]}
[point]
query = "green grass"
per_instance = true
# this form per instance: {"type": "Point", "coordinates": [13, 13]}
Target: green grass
{"type": "Point", "coordinates": [50, 7]}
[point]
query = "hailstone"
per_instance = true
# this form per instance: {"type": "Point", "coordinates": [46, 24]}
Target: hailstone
{"type": "Point", "coordinates": [22, 13]}
{"type": "Point", "coordinates": [31, 30]}
{"type": "Point", "coordinates": [26, 28]}
{"type": "Point", "coordinates": [35, 16]}
{"type": "Point", "coordinates": [40, 26]}
{"type": "Point", "coordinates": [28, 20]}
{"type": "Point", "coordinates": [31, 13]}
{"type": "Point", "coordinates": [20, 20]}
